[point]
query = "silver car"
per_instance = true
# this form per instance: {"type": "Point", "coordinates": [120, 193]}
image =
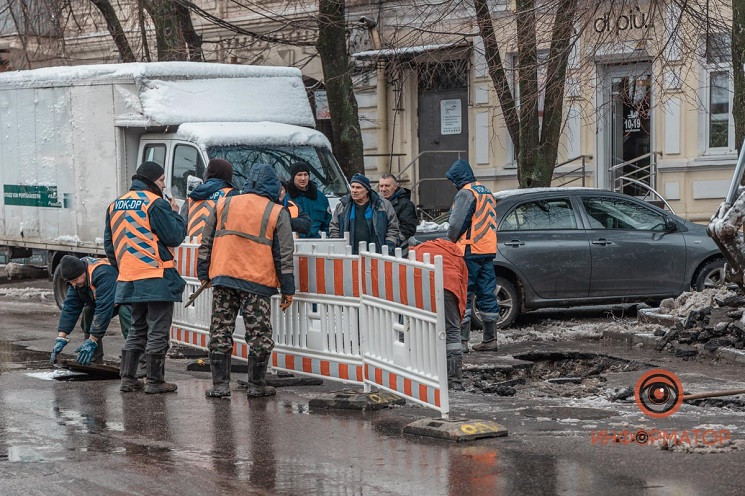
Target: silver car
{"type": "Point", "coordinates": [562, 247]}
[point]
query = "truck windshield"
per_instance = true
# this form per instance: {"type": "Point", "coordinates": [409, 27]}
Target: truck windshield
{"type": "Point", "coordinates": [324, 170]}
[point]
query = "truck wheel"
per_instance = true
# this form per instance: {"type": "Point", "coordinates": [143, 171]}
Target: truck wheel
{"type": "Point", "coordinates": [509, 302]}
{"type": "Point", "coordinates": [60, 288]}
{"type": "Point", "coordinates": [711, 275]}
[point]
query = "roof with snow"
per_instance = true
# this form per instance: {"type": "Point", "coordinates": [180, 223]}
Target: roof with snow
{"type": "Point", "coordinates": [247, 133]}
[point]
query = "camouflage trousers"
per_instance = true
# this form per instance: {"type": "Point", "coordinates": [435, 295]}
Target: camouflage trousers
{"type": "Point", "coordinates": [226, 302]}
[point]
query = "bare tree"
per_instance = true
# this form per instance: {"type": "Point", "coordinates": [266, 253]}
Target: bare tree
{"type": "Point", "coordinates": [738, 59]}
{"type": "Point", "coordinates": [116, 30]}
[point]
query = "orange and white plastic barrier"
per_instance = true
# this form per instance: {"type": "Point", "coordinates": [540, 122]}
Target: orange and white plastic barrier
{"type": "Point", "coordinates": [402, 324]}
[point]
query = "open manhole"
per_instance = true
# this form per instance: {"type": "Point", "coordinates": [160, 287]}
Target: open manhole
{"type": "Point", "coordinates": [570, 374]}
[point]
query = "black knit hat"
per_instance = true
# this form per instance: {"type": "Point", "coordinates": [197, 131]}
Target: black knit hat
{"type": "Point", "coordinates": [71, 268]}
{"type": "Point", "coordinates": [298, 167]}
{"type": "Point", "coordinates": [220, 169]}
{"type": "Point", "coordinates": [150, 170]}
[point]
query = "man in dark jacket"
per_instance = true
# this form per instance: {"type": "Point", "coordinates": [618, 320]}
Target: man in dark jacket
{"type": "Point", "coordinates": [299, 220]}
{"type": "Point", "coordinates": [400, 198]}
{"type": "Point", "coordinates": [246, 254]}
{"type": "Point", "coordinates": [91, 291]}
{"type": "Point", "coordinates": [140, 228]}
{"type": "Point", "coordinates": [305, 194]}
{"type": "Point", "coordinates": [217, 184]}
{"type": "Point", "coordinates": [473, 227]}
{"type": "Point", "coordinates": [366, 217]}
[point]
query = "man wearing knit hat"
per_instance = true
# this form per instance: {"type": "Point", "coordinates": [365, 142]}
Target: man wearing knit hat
{"type": "Point", "coordinates": [217, 184]}
{"type": "Point", "coordinates": [141, 227]}
{"type": "Point", "coordinates": [304, 193]}
{"type": "Point", "coordinates": [366, 216]}
{"type": "Point", "coordinates": [92, 286]}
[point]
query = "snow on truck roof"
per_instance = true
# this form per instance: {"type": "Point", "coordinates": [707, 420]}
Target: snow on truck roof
{"type": "Point", "coordinates": [174, 93]}
{"type": "Point", "coordinates": [246, 133]}
{"type": "Point", "coordinates": [65, 75]}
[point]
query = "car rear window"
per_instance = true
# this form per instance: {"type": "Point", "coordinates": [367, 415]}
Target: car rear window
{"type": "Point", "coordinates": [540, 215]}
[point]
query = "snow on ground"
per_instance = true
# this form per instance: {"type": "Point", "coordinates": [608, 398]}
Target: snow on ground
{"type": "Point", "coordinates": [569, 331]}
{"type": "Point", "coordinates": [26, 293]}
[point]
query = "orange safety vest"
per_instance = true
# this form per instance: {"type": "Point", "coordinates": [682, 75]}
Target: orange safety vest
{"type": "Point", "coordinates": [293, 209]}
{"type": "Point", "coordinates": [135, 244]}
{"type": "Point", "coordinates": [199, 210]}
{"type": "Point", "coordinates": [481, 235]}
{"type": "Point", "coordinates": [242, 247]}
{"type": "Point", "coordinates": [93, 264]}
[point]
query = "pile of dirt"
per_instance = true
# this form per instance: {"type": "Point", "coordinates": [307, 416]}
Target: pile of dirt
{"type": "Point", "coordinates": [711, 319]}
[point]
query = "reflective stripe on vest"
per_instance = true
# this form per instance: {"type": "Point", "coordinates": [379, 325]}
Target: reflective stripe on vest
{"type": "Point", "coordinates": [481, 235]}
{"type": "Point", "coordinates": [293, 209]}
{"type": "Point", "coordinates": [199, 210]}
{"type": "Point", "coordinates": [92, 264]}
{"type": "Point", "coordinates": [135, 244]}
{"type": "Point", "coordinates": [242, 247]}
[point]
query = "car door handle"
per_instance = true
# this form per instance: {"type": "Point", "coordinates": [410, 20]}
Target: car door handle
{"type": "Point", "coordinates": [515, 243]}
{"type": "Point", "coordinates": [602, 242]}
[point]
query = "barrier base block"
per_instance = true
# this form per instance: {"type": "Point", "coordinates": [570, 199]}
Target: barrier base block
{"type": "Point", "coordinates": [355, 400]}
{"type": "Point", "coordinates": [203, 365]}
{"type": "Point", "coordinates": [456, 429]}
{"type": "Point", "coordinates": [287, 381]}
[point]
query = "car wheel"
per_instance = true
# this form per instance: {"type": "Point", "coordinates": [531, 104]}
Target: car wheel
{"type": "Point", "coordinates": [509, 302]}
{"type": "Point", "coordinates": [711, 275]}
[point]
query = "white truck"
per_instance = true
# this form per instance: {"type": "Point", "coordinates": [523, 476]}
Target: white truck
{"type": "Point", "coordinates": [72, 137]}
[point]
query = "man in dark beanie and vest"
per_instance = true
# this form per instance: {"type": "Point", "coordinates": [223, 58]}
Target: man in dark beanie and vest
{"type": "Point", "coordinates": [305, 194]}
{"type": "Point", "coordinates": [141, 227]}
{"type": "Point", "coordinates": [217, 184]}
{"type": "Point", "coordinates": [91, 291]}
{"type": "Point", "coordinates": [366, 216]}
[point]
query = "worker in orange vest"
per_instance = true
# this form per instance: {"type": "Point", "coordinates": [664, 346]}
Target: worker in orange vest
{"type": "Point", "coordinates": [299, 220]}
{"type": "Point", "coordinates": [90, 298]}
{"type": "Point", "coordinates": [455, 281]}
{"type": "Point", "coordinates": [217, 184]}
{"type": "Point", "coordinates": [473, 227]}
{"type": "Point", "coordinates": [246, 254]}
{"type": "Point", "coordinates": [141, 229]}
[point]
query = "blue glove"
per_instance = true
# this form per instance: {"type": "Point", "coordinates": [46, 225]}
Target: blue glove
{"type": "Point", "coordinates": [58, 345]}
{"type": "Point", "coordinates": [85, 352]}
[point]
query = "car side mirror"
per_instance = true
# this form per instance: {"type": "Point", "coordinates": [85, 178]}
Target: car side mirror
{"type": "Point", "coordinates": [671, 225]}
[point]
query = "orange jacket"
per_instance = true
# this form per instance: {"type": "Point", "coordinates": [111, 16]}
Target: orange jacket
{"type": "Point", "coordinates": [455, 272]}
{"type": "Point", "coordinates": [481, 235]}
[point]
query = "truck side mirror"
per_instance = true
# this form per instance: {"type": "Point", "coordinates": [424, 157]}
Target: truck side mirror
{"type": "Point", "coordinates": [191, 183]}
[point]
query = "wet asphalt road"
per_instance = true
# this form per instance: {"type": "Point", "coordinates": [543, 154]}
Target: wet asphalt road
{"type": "Point", "coordinates": [84, 437]}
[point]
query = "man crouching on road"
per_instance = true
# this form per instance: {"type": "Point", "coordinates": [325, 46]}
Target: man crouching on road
{"type": "Point", "coordinates": [91, 291]}
{"type": "Point", "coordinates": [246, 254]}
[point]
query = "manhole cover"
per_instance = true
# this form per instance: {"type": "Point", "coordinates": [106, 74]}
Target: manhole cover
{"type": "Point", "coordinates": [565, 412]}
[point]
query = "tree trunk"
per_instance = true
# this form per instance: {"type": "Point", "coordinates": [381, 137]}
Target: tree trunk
{"type": "Point", "coordinates": [738, 58]}
{"type": "Point", "coordinates": [115, 29]}
{"type": "Point", "coordinates": [174, 33]}
{"type": "Point", "coordinates": [345, 122]}
{"type": "Point", "coordinates": [528, 167]}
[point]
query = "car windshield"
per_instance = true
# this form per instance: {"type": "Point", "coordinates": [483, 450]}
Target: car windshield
{"type": "Point", "coordinates": [324, 170]}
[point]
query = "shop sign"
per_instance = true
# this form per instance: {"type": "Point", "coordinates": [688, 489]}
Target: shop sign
{"type": "Point", "coordinates": [633, 19]}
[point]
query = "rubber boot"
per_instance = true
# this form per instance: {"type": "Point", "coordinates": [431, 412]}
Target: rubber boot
{"type": "Point", "coordinates": [256, 387]}
{"type": "Point", "coordinates": [142, 366]}
{"type": "Point", "coordinates": [128, 370]}
{"type": "Point", "coordinates": [455, 372]}
{"type": "Point", "coordinates": [489, 342]}
{"type": "Point", "coordinates": [97, 357]}
{"type": "Point", "coordinates": [220, 367]}
{"type": "Point", "coordinates": [465, 334]}
{"type": "Point", "coordinates": [156, 369]}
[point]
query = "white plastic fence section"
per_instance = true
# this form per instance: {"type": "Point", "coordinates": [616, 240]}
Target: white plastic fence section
{"type": "Point", "coordinates": [402, 323]}
{"type": "Point", "coordinates": [319, 334]}
{"type": "Point", "coordinates": [191, 326]}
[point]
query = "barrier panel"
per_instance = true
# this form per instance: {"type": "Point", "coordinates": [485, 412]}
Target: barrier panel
{"type": "Point", "coordinates": [402, 323]}
{"type": "Point", "coordinates": [319, 334]}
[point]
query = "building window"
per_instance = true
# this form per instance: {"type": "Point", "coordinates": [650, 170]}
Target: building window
{"type": "Point", "coordinates": [718, 72]}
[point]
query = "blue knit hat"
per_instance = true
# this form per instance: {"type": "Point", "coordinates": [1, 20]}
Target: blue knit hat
{"type": "Point", "coordinates": [359, 178]}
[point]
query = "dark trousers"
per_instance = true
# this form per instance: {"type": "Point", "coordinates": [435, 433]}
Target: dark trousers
{"type": "Point", "coordinates": [151, 327]}
{"type": "Point", "coordinates": [452, 325]}
{"type": "Point", "coordinates": [483, 283]}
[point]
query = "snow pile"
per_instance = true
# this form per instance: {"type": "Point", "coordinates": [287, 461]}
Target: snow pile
{"type": "Point", "coordinates": [427, 226]}
{"type": "Point", "coordinates": [26, 293]}
{"type": "Point", "coordinates": [250, 133]}
{"type": "Point", "coordinates": [563, 331]}
{"type": "Point", "coordinates": [685, 303]}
